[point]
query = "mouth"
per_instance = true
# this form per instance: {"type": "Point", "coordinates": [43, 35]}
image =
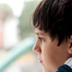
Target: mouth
{"type": "Point", "coordinates": [40, 61]}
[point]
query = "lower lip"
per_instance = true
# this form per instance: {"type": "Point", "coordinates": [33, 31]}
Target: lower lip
{"type": "Point", "coordinates": [40, 61]}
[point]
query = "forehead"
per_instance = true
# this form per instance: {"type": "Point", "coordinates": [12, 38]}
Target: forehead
{"type": "Point", "coordinates": [40, 32]}
{"type": "Point", "coordinates": [44, 34]}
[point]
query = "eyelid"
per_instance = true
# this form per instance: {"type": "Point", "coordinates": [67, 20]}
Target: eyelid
{"type": "Point", "coordinates": [41, 38]}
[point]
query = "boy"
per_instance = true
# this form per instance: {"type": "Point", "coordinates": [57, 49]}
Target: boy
{"type": "Point", "coordinates": [52, 20]}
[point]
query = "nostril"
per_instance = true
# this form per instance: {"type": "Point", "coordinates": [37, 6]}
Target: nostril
{"type": "Point", "coordinates": [38, 50]}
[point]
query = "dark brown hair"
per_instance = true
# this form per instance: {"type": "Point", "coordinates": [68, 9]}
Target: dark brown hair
{"type": "Point", "coordinates": [54, 17]}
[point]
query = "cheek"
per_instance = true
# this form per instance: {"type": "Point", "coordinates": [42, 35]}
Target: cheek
{"type": "Point", "coordinates": [53, 56]}
{"type": "Point", "coordinates": [48, 54]}
{"type": "Point", "coordinates": [49, 59]}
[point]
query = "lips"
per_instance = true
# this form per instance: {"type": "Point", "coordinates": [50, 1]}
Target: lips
{"type": "Point", "coordinates": [40, 61]}
{"type": "Point", "coordinates": [39, 57]}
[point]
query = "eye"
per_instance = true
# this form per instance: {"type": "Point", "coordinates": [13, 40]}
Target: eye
{"type": "Point", "coordinates": [42, 39]}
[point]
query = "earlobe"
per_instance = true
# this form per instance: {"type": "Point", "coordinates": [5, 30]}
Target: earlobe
{"type": "Point", "coordinates": [70, 50]}
{"type": "Point", "coordinates": [70, 45]}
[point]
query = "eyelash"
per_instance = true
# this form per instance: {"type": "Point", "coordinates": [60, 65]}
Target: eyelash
{"type": "Point", "coordinates": [42, 39]}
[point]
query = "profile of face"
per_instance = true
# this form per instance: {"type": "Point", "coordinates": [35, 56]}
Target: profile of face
{"type": "Point", "coordinates": [50, 55]}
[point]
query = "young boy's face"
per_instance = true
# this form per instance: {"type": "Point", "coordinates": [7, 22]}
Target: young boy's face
{"type": "Point", "coordinates": [50, 55]}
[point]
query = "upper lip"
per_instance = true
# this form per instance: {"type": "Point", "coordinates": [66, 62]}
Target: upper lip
{"type": "Point", "coordinates": [39, 58]}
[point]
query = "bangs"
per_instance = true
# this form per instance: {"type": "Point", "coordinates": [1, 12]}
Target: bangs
{"type": "Point", "coordinates": [40, 17]}
{"type": "Point", "coordinates": [54, 17]}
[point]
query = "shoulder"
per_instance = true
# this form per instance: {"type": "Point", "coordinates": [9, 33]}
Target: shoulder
{"type": "Point", "coordinates": [64, 68]}
{"type": "Point", "coordinates": [67, 67]}
{"type": "Point", "coordinates": [69, 62]}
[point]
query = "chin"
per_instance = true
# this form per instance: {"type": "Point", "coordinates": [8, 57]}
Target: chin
{"type": "Point", "coordinates": [49, 69]}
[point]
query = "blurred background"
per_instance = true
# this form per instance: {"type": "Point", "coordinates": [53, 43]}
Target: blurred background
{"type": "Point", "coordinates": [17, 37]}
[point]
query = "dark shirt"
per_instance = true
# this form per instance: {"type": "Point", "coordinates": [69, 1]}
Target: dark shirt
{"type": "Point", "coordinates": [64, 68]}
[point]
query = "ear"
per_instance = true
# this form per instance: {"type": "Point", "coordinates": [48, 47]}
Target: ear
{"type": "Point", "coordinates": [70, 45]}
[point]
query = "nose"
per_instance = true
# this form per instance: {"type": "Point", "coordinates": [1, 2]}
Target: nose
{"type": "Point", "coordinates": [37, 47]}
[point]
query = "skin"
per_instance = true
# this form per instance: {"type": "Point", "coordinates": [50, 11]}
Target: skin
{"type": "Point", "coordinates": [50, 55]}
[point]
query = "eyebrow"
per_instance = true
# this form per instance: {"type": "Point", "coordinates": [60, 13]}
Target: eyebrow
{"type": "Point", "coordinates": [39, 33]}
